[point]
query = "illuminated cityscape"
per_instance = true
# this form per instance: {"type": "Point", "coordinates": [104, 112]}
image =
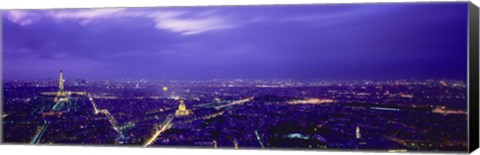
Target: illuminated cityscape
{"type": "Point", "coordinates": [395, 115]}
{"type": "Point", "coordinates": [390, 77]}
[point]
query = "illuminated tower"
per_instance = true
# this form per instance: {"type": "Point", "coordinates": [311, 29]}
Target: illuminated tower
{"type": "Point", "coordinates": [235, 144]}
{"type": "Point", "coordinates": [360, 141]}
{"type": "Point", "coordinates": [182, 110]}
{"type": "Point", "coordinates": [61, 88]}
{"type": "Point", "coordinates": [357, 133]}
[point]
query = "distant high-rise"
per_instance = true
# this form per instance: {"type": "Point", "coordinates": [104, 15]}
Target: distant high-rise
{"type": "Point", "coordinates": [60, 82]}
{"type": "Point", "coordinates": [182, 110]}
{"type": "Point", "coordinates": [235, 144]}
{"type": "Point", "coordinates": [358, 135]}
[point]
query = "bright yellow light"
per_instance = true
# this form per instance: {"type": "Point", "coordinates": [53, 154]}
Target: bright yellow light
{"type": "Point", "coordinates": [312, 101]}
{"type": "Point", "coordinates": [182, 109]}
{"type": "Point", "coordinates": [399, 150]}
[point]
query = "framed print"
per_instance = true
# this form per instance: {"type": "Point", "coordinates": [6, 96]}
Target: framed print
{"type": "Point", "coordinates": [396, 77]}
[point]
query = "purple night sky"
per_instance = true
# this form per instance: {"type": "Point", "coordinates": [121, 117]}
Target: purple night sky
{"type": "Point", "coordinates": [330, 42]}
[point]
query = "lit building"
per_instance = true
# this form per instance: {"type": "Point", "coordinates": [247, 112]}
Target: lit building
{"type": "Point", "coordinates": [182, 110]}
{"type": "Point", "coordinates": [360, 142]}
{"type": "Point", "coordinates": [235, 144]}
{"type": "Point", "coordinates": [214, 144]}
{"type": "Point", "coordinates": [357, 131]}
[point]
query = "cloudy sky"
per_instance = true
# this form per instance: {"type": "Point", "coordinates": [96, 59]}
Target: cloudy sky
{"type": "Point", "coordinates": [348, 41]}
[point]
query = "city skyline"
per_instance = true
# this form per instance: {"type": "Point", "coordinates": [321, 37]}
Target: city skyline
{"type": "Point", "coordinates": [192, 79]}
{"type": "Point", "coordinates": [328, 42]}
{"type": "Point", "coordinates": [415, 115]}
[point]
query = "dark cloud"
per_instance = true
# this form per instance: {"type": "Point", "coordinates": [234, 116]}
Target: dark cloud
{"type": "Point", "coordinates": [351, 41]}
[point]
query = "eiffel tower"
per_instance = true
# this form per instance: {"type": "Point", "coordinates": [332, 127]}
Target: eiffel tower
{"type": "Point", "coordinates": [61, 94]}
